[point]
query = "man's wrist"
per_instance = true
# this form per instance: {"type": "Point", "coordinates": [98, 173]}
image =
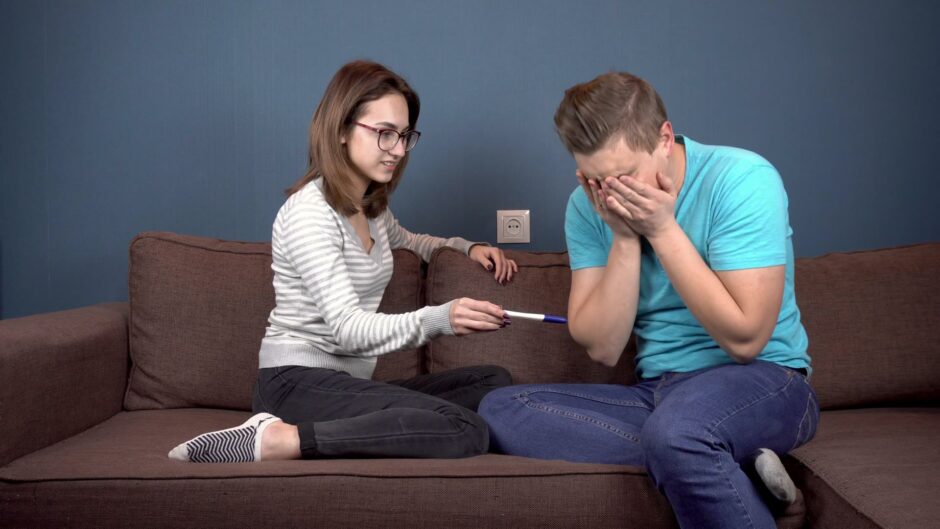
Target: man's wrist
{"type": "Point", "coordinates": [624, 249]}
{"type": "Point", "coordinates": [668, 232]}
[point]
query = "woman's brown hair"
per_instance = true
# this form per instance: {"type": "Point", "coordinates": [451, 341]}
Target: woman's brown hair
{"type": "Point", "coordinates": [354, 85]}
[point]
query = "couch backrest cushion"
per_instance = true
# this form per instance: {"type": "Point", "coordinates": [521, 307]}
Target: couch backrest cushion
{"type": "Point", "coordinates": [533, 352]}
{"type": "Point", "coordinates": [198, 310]}
{"type": "Point", "coordinates": [873, 320]}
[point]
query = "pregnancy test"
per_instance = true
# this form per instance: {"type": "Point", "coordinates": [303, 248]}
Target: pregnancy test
{"type": "Point", "coordinates": [548, 318]}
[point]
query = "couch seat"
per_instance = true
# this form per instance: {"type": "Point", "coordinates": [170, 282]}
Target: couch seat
{"type": "Point", "coordinates": [875, 467]}
{"type": "Point", "coordinates": [121, 465]}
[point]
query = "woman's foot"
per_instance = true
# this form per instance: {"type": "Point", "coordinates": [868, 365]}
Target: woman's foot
{"type": "Point", "coordinates": [772, 473]}
{"type": "Point", "coordinates": [234, 445]}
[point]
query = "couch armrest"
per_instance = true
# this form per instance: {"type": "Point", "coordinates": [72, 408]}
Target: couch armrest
{"type": "Point", "coordinates": [60, 373]}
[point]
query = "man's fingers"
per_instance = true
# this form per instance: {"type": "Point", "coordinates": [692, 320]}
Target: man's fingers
{"type": "Point", "coordinates": [665, 183]}
{"type": "Point", "coordinates": [619, 208]}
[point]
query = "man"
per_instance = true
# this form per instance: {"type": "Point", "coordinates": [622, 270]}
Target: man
{"type": "Point", "coordinates": [687, 246]}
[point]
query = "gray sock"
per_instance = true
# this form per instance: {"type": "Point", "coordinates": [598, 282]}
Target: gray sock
{"type": "Point", "coordinates": [772, 473]}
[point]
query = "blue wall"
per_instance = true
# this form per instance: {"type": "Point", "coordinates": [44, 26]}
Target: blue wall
{"type": "Point", "coordinates": [123, 116]}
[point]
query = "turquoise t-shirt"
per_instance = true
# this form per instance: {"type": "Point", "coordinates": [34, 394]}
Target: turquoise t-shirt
{"type": "Point", "coordinates": [733, 208]}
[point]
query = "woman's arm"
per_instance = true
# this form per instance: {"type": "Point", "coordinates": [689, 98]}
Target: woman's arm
{"type": "Point", "coordinates": [421, 244]}
{"type": "Point", "coordinates": [424, 245]}
{"type": "Point", "coordinates": [312, 242]}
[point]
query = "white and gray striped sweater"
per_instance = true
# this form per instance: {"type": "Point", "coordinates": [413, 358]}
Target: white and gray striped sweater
{"type": "Point", "coordinates": [328, 288]}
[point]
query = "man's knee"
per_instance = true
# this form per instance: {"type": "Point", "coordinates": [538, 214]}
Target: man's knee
{"type": "Point", "coordinates": [497, 402]}
{"type": "Point", "coordinates": [675, 447]}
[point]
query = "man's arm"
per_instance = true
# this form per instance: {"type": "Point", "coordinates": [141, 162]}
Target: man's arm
{"type": "Point", "coordinates": [603, 300]}
{"type": "Point", "coordinates": [737, 308]}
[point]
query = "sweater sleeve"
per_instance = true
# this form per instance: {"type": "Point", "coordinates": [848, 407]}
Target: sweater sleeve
{"type": "Point", "coordinates": [312, 240]}
{"type": "Point", "coordinates": [423, 245]}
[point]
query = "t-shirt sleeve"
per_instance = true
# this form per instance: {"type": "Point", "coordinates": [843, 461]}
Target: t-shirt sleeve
{"type": "Point", "coordinates": [750, 224]}
{"type": "Point", "coordinates": [584, 233]}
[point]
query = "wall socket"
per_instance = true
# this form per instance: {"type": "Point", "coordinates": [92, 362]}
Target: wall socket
{"type": "Point", "coordinates": [512, 226]}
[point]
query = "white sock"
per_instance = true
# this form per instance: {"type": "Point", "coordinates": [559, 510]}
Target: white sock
{"type": "Point", "coordinates": [772, 472]}
{"type": "Point", "coordinates": [234, 445]}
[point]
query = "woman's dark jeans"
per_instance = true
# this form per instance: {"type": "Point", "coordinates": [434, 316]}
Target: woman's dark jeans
{"type": "Point", "coordinates": [338, 415]}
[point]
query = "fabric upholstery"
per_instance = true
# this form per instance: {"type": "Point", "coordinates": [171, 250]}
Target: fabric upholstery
{"type": "Point", "coordinates": [533, 352]}
{"type": "Point", "coordinates": [872, 319]}
{"type": "Point", "coordinates": [199, 308]}
{"type": "Point", "coordinates": [60, 373]}
{"type": "Point", "coordinates": [122, 464]}
{"type": "Point", "coordinates": [873, 467]}
{"type": "Point", "coordinates": [198, 312]}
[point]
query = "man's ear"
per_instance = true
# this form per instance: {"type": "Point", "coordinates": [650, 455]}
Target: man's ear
{"type": "Point", "coordinates": [667, 138]}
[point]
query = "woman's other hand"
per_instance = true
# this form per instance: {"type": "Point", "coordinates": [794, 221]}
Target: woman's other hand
{"type": "Point", "coordinates": [493, 259]}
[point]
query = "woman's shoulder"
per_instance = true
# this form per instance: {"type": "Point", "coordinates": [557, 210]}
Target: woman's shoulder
{"type": "Point", "coordinates": [308, 203]}
{"type": "Point", "coordinates": [309, 196]}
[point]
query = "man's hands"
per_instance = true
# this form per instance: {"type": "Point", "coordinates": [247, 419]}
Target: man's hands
{"type": "Point", "coordinates": [493, 258]}
{"type": "Point", "coordinates": [631, 207]}
{"type": "Point", "coordinates": [646, 209]}
{"type": "Point", "coordinates": [596, 193]}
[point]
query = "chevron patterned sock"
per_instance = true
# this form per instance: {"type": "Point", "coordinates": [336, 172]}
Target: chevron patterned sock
{"type": "Point", "coordinates": [234, 445]}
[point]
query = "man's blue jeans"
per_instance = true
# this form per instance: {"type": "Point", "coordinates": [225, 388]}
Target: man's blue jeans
{"type": "Point", "coordinates": [692, 432]}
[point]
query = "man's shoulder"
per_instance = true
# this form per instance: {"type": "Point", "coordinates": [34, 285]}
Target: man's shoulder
{"type": "Point", "coordinates": [579, 208]}
{"type": "Point", "coordinates": [727, 159]}
{"type": "Point", "coordinates": [579, 200]}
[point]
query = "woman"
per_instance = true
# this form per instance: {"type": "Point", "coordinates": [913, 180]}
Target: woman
{"type": "Point", "coordinates": [332, 259]}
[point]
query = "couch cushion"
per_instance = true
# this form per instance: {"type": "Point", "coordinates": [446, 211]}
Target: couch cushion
{"type": "Point", "coordinates": [117, 474]}
{"type": "Point", "coordinates": [198, 310]}
{"type": "Point", "coordinates": [533, 352]}
{"type": "Point", "coordinates": [872, 468]}
{"type": "Point", "coordinates": [873, 320]}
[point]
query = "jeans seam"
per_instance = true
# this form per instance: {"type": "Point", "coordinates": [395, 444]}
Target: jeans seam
{"type": "Point", "coordinates": [459, 432]}
{"type": "Point", "coordinates": [260, 395]}
{"type": "Point", "coordinates": [576, 416]}
{"type": "Point", "coordinates": [586, 396]}
{"type": "Point", "coordinates": [737, 493]}
{"type": "Point", "coordinates": [806, 413]}
{"type": "Point", "coordinates": [750, 404]}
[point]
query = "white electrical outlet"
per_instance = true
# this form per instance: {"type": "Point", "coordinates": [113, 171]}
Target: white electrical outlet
{"type": "Point", "coordinates": [512, 226]}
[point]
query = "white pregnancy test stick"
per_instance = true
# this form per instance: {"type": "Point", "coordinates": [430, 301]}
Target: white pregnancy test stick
{"type": "Point", "coordinates": [548, 318]}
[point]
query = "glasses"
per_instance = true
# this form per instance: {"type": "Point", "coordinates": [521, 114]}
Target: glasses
{"type": "Point", "coordinates": [388, 138]}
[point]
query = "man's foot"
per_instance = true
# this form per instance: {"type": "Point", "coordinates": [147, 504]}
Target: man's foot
{"type": "Point", "coordinates": [772, 473]}
{"type": "Point", "coordinates": [234, 445]}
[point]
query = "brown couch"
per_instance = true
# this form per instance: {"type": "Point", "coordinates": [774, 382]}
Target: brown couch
{"type": "Point", "coordinates": [92, 399]}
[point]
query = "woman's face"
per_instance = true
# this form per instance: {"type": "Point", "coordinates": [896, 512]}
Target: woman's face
{"type": "Point", "coordinates": [362, 144]}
